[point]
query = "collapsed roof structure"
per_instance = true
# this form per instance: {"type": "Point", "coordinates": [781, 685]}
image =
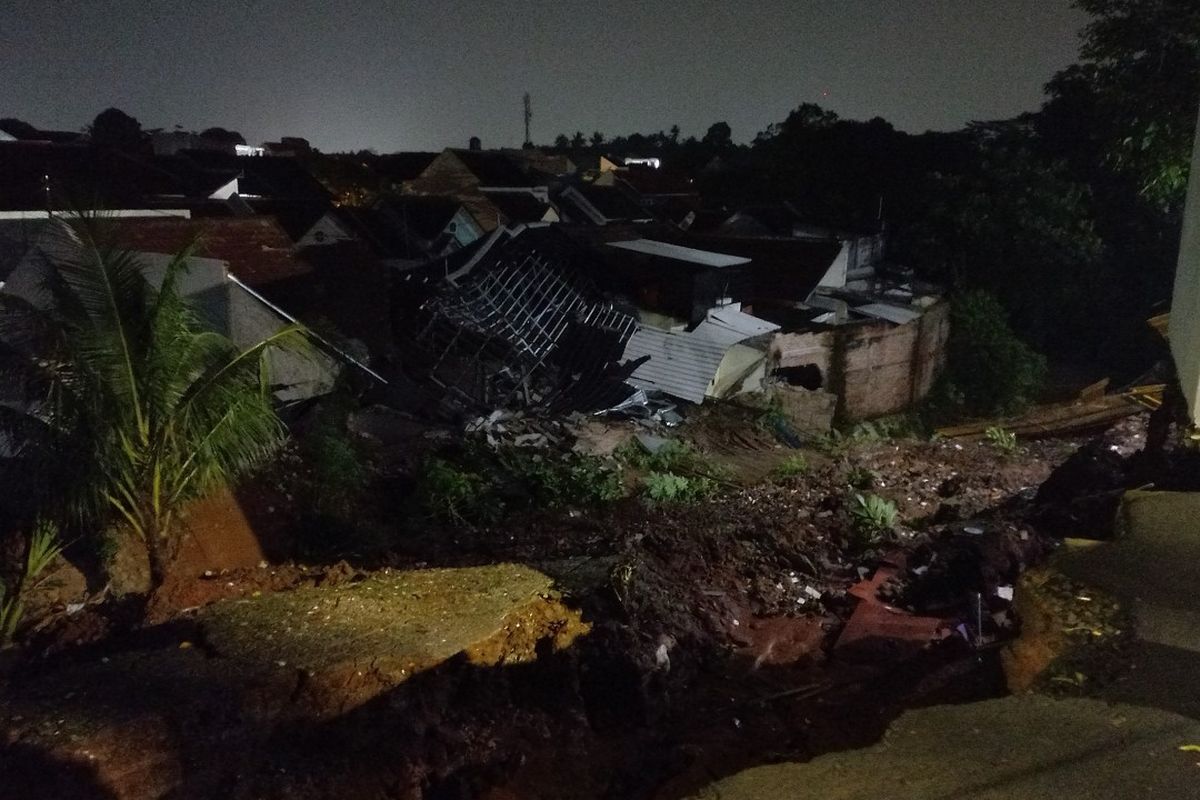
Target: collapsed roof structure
{"type": "Point", "coordinates": [520, 320]}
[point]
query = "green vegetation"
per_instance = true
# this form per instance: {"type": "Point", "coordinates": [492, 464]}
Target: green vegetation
{"type": "Point", "coordinates": [872, 517]}
{"type": "Point", "coordinates": [791, 467]}
{"type": "Point", "coordinates": [481, 484]}
{"type": "Point", "coordinates": [893, 426]}
{"type": "Point", "coordinates": [667, 487]}
{"type": "Point", "coordinates": [1004, 441]}
{"type": "Point", "coordinates": [860, 477]}
{"type": "Point", "coordinates": [989, 371]}
{"type": "Point", "coordinates": [144, 408]}
{"type": "Point", "coordinates": [451, 494]}
{"type": "Point", "coordinates": [44, 545]}
{"type": "Point", "coordinates": [340, 472]}
{"type": "Point", "coordinates": [673, 456]}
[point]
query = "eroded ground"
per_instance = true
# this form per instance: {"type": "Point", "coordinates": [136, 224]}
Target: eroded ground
{"type": "Point", "coordinates": [635, 652]}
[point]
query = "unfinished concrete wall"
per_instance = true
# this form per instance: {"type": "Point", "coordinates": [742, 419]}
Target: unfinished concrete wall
{"type": "Point", "coordinates": [887, 367]}
{"type": "Point", "coordinates": [875, 368]}
{"type": "Point", "coordinates": [1185, 298]}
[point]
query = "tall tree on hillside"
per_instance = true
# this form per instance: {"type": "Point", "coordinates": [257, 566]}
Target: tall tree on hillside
{"type": "Point", "coordinates": [1135, 90]}
{"type": "Point", "coordinates": [133, 407]}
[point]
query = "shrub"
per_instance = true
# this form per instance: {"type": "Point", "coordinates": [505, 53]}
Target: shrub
{"type": "Point", "coordinates": [989, 370]}
{"type": "Point", "coordinates": [674, 456]}
{"type": "Point", "coordinates": [860, 478]}
{"type": "Point", "coordinates": [339, 467]}
{"type": "Point", "coordinates": [667, 487]}
{"type": "Point", "coordinates": [1004, 441]}
{"type": "Point", "coordinates": [791, 467]}
{"type": "Point", "coordinates": [450, 494]}
{"type": "Point", "coordinates": [553, 482]}
{"type": "Point", "coordinates": [44, 546]}
{"type": "Point", "coordinates": [872, 517]}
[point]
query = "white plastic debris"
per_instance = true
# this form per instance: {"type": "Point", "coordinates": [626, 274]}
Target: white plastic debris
{"type": "Point", "coordinates": [812, 592]}
{"type": "Point", "coordinates": [973, 531]}
{"type": "Point", "coordinates": [1004, 593]}
{"type": "Point", "coordinates": [74, 608]}
{"type": "Point", "coordinates": [662, 658]}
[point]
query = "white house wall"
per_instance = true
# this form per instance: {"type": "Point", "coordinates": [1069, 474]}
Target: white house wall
{"type": "Point", "coordinates": [1185, 298]}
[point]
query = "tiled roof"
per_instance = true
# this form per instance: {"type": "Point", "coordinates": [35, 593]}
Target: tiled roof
{"type": "Point", "coordinates": [518, 206]}
{"type": "Point", "coordinates": [257, 249]}
{"type": "Point", "coordinates": [494, 169]}
{"type": "Point", "coordinates": [400, 167]}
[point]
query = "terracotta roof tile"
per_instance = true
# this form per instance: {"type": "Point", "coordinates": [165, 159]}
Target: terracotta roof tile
{"type": "Point", "coordinates": [257, 249]}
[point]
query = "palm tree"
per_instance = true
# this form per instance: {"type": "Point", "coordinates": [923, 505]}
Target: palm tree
{"type": "Point", "coordinates": [131, 406]}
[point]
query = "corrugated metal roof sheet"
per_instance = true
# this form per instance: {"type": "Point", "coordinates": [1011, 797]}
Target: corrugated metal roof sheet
{"type": "Point", "coordinates": [896, 314]}
{"type": "Point", "coordinates": [738, 322]}
{"type": "Point", "coordinates": [684, 364]}
{"type": "Point", "coordinates": [681, 364]}
{"type": "Point", "coordinates": [677, 252]}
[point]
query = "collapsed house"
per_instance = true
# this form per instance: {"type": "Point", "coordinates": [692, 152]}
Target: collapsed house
{"type": "Point", "coordinates": [558, 317]}
{"type": "Point", "coordinates": [514, 321]}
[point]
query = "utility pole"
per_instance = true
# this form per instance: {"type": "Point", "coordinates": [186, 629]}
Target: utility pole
{"type": "Point", "coordinates": [528, 116]}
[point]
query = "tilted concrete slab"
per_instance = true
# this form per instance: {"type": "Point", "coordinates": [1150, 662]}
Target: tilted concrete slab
{"type": "Point", "coordinates": [1029, 747]}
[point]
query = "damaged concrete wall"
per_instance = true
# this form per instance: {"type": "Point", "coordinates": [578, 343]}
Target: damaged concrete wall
{"type": "Point", "coordinates": [875, 368]}
{"type": "Point", "coordinates": [889, 367]}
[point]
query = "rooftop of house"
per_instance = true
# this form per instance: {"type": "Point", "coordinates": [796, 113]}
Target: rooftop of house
{"type": "Point", "coordinates": [518, 207]}
{"type": "Point", "coordinates": [783, 269]}
{"type": "Point", "coordinates": [494, 168]}
{"type": "Point", "coordinates": [675, 252]}
{"type": "Point", "coordinates": [614, 203]}
{"type": "Point", "coordinates": [257, 249]}
{"type": "Point", "coordinates": [262, 176]}
{"type": "Point", "coordinates": [651, 181]}
{"type": "Point", "coordinates": [36, 175]}
{"type": "Point", "coordinates": [399, 167]}
{"type": "Point", "coordinates": [24, 132]}
{"type": "Point", "coordinates": [426, 216]}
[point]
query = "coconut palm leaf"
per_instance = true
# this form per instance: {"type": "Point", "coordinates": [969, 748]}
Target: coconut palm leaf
{"type": "Point", "coordinates": [139, 407]}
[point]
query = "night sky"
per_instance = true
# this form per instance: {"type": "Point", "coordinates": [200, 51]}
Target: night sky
{"type": "Point", "coordinates": [402, 75]}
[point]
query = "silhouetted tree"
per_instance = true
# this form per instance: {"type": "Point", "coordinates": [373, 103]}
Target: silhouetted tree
{"type": "Point", "coordinates": [116, 129]}
{"type": "Point", "coordinates": [719, 135]}
{"type": "Point", "coordinates": [222, 135]}
{"type": "Point", "coordinates": [1135, 91]}
{"type": "Point", "coordinates": [562, 141]}
{"type": "Point", "coordinates": [597, 139]}
{"type": "Point", "coordinates": [578, 141]}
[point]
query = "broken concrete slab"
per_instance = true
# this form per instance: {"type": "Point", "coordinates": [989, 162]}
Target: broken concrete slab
{"type": "Point", "coordinates": [254, 666]}
{"type": "Point", "coordinates": [1031, 747]}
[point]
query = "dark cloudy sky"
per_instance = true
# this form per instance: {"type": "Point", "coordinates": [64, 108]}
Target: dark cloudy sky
{"type": "Point", "coordinates": [423, 74]}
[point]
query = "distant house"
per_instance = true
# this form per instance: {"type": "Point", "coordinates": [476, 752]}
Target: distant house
{"type": "Point", "coordinates": [288, 147]}
{"type": "Point", "coordinates": [460, 171]}
{"type": "Point", "coordinates": [415, 228]}
{"type": "Point", "coordinates": [667, 194]}
{"type": "Point", "coordinates": [675, 281]}
{"type": "Point", "coordinates": [36, 176]}
{"type": "Point", "coordinates": [12, 130]}
{"type": "Point", "coordinates": [28, 248]}
{"type": "Point", "coordinates": [587, 203]}
{"type": "Point", "coordinates": [514, 208]}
